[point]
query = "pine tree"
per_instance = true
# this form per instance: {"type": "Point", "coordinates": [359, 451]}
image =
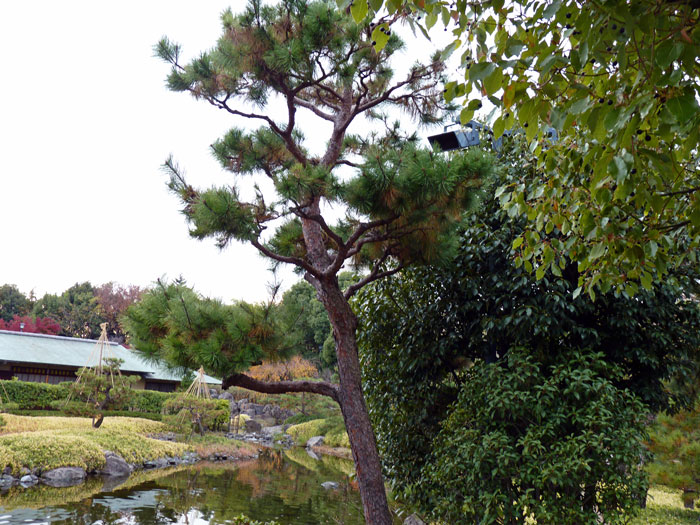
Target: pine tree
{"type": "Point", "coordinates": [400, 201]}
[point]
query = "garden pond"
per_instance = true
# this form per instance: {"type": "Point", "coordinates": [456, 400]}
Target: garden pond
{"type": "Point", "coordinates": [284, 486]}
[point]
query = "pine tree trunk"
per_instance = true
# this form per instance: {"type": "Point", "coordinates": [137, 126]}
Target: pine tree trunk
{"type": "Point", "coordinates": [353, 407]}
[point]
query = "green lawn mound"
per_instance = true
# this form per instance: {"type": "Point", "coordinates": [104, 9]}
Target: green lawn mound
{"type": "Point", "coordinates": [332, 428]}
{"type": "Point", "coordinates": [51, 442]}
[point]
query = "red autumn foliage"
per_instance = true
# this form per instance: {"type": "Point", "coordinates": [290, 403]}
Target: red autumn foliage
{"type": "Point", "coordinates": [114, 299]}
{"type": "Point", "coordinates": [39, 325]}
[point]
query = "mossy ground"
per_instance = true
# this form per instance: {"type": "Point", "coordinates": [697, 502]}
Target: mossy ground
{"type": "Point", "coordinates": [51, 442]}
{"type": "Point", "coordinates": [332, 428]}
{"type": "Point", "coordinates": [216, 443]}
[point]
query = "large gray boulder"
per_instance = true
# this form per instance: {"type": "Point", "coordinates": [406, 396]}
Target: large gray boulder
{"type": "Point", "coordinates": [314, 441]}
{"type": "Point", "coordinates": [226, 395]}
{"type": "Point", "coordinates": [277, 412]}
{"type": "Point", "coordinates": [115, 465]}
{"type": "Point", "coordinates": [156, 463]}
{"type": "Point", "coordinates": [6, 480]}
{"type": "Point", "coordinates": [413, 519]}
{"type": "Point", "coordinates": [253, 426]}
{"type": "Point", "coordinates": [28, 480]}
{"type": "Point", "coordinates": [63, 476]}
{"type": "Point", "coordinates": [251, 409]}
{"type": "Point", "coordinates": [330, 485]}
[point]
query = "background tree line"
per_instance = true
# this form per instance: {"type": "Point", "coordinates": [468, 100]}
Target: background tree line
{"type": "Point", "coordinates": [77, 312]}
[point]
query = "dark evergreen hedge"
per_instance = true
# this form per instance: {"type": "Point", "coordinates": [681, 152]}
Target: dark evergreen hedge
{"type": "Point", "coordinates": [39, 396]}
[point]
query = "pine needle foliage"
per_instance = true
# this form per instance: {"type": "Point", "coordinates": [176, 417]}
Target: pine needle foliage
{"type": "Point", "coordinates": [174, 324]}
{"type": "Point", "coordinates": [319, 59]}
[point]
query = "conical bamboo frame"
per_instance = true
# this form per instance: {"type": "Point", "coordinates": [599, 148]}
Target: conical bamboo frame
{"type": "Point", "coordinates": [199, 387]}
{"type": "Point", "coordinates": [6, 398]}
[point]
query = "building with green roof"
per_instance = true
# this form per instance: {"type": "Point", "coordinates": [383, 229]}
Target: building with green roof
{"type": "Point", "coordinates": [54, 359]}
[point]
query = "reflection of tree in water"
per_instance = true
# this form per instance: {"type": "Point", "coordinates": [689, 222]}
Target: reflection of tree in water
{"type": "Point", "coordinates": [99, 510]}
{"type": "Point", "coordinates": [185, 493]}
{"type": "Point", "coordinates": [273, 487]}
{"type": "Point", "coordinates": [260, 474]}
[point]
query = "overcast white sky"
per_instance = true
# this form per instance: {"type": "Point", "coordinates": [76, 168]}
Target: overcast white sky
{"type": "Point", "coordinates": [85, 123]}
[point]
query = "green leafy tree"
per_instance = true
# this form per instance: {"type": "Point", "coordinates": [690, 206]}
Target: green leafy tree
{"type": "Point", "coordinates": [478, 307]}
{"type": "Point", "coordinates": [399, 199]}
{"type": "Point", "coordinates": [619, 81]}
{"type": "Point", "coordinates": [77, 311]}
{"type": "Point", "coordinates": [306, 319]}
{"type": "Point", "coordinates": [12, 302]}
{"type": "Point", "coordinates": [306, 323]}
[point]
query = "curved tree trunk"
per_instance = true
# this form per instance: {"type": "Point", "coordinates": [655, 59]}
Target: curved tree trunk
{"type": "Point", "coordinates": [353, 407]}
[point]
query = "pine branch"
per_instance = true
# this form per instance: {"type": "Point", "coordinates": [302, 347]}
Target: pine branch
{"type": "Point", "coordinates": [285, 134]}
{"type": "Point", "coordinates": [350, 248]}
{"type": "Point", "coordinates": [379, 238]}
{"type": "Point", "coordinates": [301, 263]}
{"type": "Point", "coordinates": [387, 95]}
{"type": "Point", "coordinates": [365, 227]}
{"type": "Point", "coordinates": [314, 109]}
{"type": "Point", "coordinates": [347, 163]}
{"type": "Point", "coordinates": [318, 218]}
{"type": "Point", "coordinates": [282, 387]}
{"type": "Point", "coordinates": [374, 275]}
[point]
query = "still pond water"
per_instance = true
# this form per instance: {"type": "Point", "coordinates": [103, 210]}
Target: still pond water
{"type": "Point", "coordinates": [282, 486]}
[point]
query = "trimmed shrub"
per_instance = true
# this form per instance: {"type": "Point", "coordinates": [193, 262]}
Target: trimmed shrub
{"type": "Point", "coordinates": [33, 396]}
{"type": "Point", "coordinates": [9, 407]}
{"type": "Point", "coordinates": [128, 413]}
{"type": "Point", "coordinates": [73, 408]}
{"type": "Point", "coordinates": [47, 451]}
{"type": "Point", "coordinates": [213, 413]}
{"type": "Point", "coordinates": [553, 442]}
{"type": "Point", "coordinates": [149, 401]}
{"type": "Point", "coordinates": [40, 396]}
{"type": "Point", "coordinates": [51, 442]}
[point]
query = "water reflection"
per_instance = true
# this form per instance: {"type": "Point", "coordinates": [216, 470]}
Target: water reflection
{"type": "Point", "coordinates": [284, 486]}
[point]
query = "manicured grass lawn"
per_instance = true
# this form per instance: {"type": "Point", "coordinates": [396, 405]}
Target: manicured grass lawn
{"type": "Point", "coordinates": [665, 507]}
{"type": "Point", "coordinates": [51, 442]}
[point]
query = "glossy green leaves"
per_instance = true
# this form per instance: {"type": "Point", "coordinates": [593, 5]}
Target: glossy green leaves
{"type": "Point", "coordinates": [619, 82]}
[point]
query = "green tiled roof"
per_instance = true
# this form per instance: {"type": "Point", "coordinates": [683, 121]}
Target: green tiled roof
{"type": "Point", "coordinates": [40, 349]}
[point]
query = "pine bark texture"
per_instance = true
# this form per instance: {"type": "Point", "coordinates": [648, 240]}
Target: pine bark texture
{"type": "Point", "coordinates": [350, 397]}
{"type": "Point", "coordinates": [352, 404]}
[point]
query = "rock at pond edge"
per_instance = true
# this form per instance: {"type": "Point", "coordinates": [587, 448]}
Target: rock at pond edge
{"type": "Point", "coordinates": [115, 465]}
{"type": "Point", "coordinates": [315, 441]}
{"type": "Point", "coordinates": [63, 476]}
